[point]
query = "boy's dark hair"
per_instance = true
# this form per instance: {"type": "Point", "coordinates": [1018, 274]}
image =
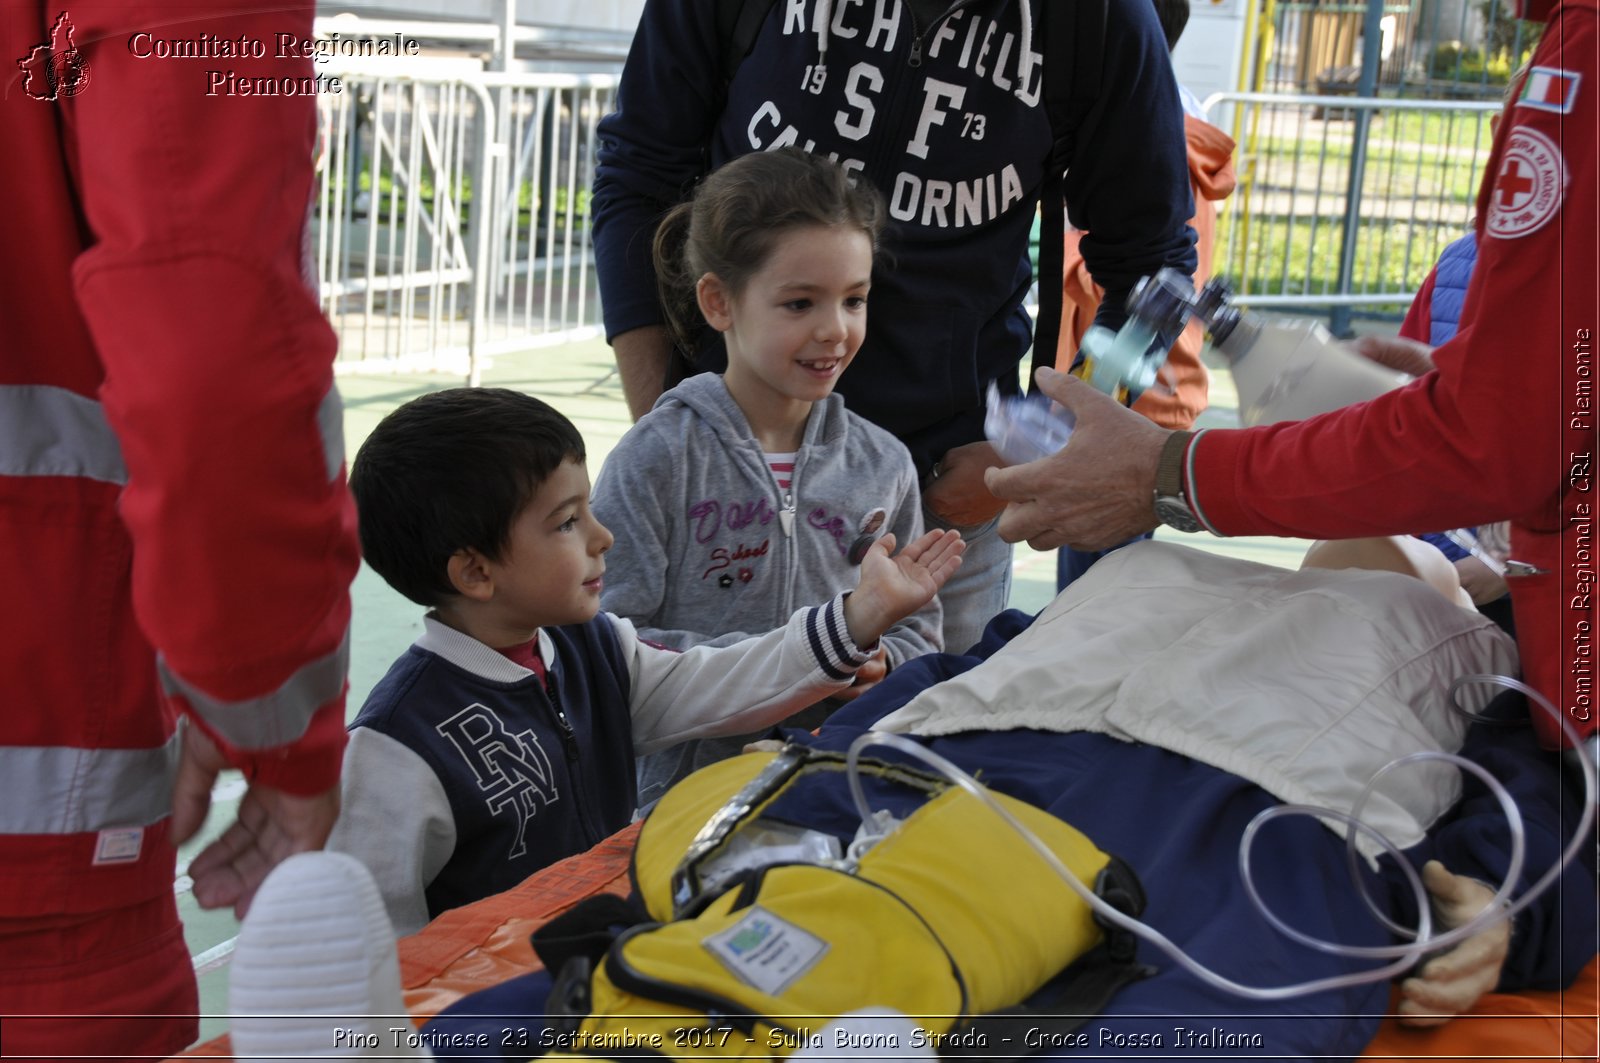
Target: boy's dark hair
{"type": "Point", "coordinates": [449, 471]}
{"type": "Point", "coordinates": [737, 215]}
{"type": "Point", "coordinates": [1173, 16]}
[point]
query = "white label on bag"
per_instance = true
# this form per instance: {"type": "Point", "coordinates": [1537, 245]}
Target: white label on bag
{"type": "Point", "coordinates": [765, 951]}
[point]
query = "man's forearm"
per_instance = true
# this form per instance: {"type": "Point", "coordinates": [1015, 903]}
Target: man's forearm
{"type": "Point", "coordinates": [642, 355]}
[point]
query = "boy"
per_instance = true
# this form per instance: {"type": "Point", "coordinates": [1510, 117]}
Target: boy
{"type": "Point", "coordinates": [504, 739]}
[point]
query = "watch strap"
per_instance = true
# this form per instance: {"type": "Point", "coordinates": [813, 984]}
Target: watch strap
{"type": "Point", "coordinates": [1169, 470]}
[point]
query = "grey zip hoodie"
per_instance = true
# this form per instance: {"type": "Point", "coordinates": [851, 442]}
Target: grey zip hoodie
{"type": "Point", "coordinates": [709, 550]}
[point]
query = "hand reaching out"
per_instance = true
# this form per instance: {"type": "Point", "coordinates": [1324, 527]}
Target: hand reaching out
{"type": "Point", "coordinates": [891, 588]}
{"type": "Point", "coordinates": [1452, 982]}
{"type": "Point", "coordinates": [271, 826]}
{"type": "Point", "coordinates": [1098, 490]}
{"type": "Point", "coordinates": [1480, 581]}
{"type": "Point", "coordinates": [1396, 352]}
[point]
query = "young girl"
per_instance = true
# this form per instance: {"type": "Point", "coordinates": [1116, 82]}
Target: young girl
{"type": "Point", "coordinates": [740, 496]}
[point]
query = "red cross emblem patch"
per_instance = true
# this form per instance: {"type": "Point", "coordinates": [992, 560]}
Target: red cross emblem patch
{"type": "Point", "coordinates": [1529, 187]}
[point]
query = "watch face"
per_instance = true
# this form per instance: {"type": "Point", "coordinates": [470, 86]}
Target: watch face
{"type": "Point", "coordinates": [1174, 513]}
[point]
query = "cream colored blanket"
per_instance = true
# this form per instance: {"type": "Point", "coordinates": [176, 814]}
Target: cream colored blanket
{"type": "Point", "coordinates": [1306, 683]}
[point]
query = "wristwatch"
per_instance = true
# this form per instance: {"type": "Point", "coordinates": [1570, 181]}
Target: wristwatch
{"type": "Point", "coordinates": [1172, 508]}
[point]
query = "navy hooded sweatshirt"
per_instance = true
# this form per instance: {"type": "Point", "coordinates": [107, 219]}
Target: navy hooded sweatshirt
{"type": "Point", "coordinates": [948, 121]}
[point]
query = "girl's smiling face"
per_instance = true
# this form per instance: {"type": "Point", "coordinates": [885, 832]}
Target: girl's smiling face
{"type": "Point", "coordinates": [799, 320]}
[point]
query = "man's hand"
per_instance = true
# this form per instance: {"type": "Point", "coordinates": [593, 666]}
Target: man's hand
{"type": "Point", "coordinates": [868, 676]}
{"type": "Point", "coordinates": [1480, 581]}
{"type": "Point", "coordinates": [1396, 352]}
{"type": "Point", "coordinates": [1451, 983]}
{"type": "Point", "coordinates": [891, 588]}
{"type": "Point", "coordinates": [958, 495]}
{"type": "Point", "coordinates": [1097, 491]}
{"type": "Point", "coordinates": [271, 826]}
{"type": "Point", "coordinates": [642, 356]}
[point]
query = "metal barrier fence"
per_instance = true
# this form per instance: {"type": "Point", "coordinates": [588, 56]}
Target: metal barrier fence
{"type": "Point", "coordinates": [540, 282]}
{"type": "Point", "coordinates": [1451, 49]}
{"type": "Point", "coordinates": [452, 220]}
{"type": "Point", "coordinates": [1345, 202]}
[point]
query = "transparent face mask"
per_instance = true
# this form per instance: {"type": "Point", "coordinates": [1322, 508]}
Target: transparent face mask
{"type": "Point", "coordinates": [765, 843]}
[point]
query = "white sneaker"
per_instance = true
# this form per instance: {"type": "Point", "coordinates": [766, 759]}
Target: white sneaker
{"type": "Point", "coordinates": [315, 973]}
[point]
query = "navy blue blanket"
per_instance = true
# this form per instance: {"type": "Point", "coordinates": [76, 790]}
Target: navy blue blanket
{"type": "Point", "coordinates": [1178, 823]}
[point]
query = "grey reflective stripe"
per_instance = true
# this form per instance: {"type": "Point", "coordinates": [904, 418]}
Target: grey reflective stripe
{"type": "Point", "coordinates": [50, 431]}
{"type": "Point", "coordinates": [274, 719]}
{"type": "Point", "coordinates": [330, 421]}
{"type": "Point", "coordinates": [63, 790]}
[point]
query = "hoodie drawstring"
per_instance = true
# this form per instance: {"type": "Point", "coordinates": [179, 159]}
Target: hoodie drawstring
{"type": "Point", "coordinates": [1025, 60]}
{"type": "Point", "coordinates": [825, 10]}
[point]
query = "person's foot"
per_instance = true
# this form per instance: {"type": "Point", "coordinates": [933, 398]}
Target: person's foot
{"type": "Point", "coordinates": [315, 972]}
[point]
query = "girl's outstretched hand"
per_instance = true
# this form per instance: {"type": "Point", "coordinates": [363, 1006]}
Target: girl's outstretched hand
{"type": "Point", "coordinates": [893, 586]}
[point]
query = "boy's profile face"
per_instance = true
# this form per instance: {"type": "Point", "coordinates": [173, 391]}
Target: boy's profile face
{"type": "Point", "coordinates": [550, 571]}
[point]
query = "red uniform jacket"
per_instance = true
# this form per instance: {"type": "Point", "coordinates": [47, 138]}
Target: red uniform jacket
{"type": "Point", "coordinates": [175, 532]}
{"type": "Point", "coordinates": [1506, 426]}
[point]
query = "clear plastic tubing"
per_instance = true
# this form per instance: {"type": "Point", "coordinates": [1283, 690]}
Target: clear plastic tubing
{"type": "Point", "coordinates": [1500, 907]}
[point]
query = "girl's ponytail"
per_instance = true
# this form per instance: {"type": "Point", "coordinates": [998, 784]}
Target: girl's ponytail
{"type": "Point", "coordinates": [675, 278]}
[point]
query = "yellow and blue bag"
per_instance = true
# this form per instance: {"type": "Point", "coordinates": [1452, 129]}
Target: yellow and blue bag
{"type": "Point", "coordinates": [952, 919]}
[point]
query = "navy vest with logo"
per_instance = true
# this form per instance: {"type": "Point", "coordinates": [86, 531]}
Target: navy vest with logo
{"type": "Point", "coordinates": [531, 776]}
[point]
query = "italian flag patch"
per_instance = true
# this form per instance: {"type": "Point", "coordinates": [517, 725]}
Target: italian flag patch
{"type": "Point", "coordinates": [1549, 89]}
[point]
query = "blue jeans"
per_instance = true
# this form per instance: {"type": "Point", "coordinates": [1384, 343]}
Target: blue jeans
{"type": "Point", "coordinates": [981, 586]}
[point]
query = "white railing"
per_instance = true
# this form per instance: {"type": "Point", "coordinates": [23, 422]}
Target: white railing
{"type": "Point", "coordinates": [452, 219]}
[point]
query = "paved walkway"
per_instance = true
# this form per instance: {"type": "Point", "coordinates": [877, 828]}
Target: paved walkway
{"type": "Point", "coordinates": [576, 378]}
